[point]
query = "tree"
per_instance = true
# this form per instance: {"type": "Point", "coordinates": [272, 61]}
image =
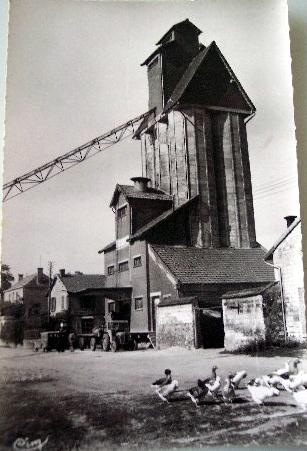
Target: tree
{"type": "Point", "coordinates": [6, 278]}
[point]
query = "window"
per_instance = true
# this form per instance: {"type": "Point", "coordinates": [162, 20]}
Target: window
{"type": "Point", "coordinates": [63, 303]}
{"type": "Point", "coordinates": [138, 303]}
{"type": "Point", "coordinates": [121, 212]}
{"type": "Point", "coordinates": [137, 261]}
{"type": "Point", "coordinates": [111, 307]}
{"type": "Point", "coordinates": [110, 270]}
{"type": "Point", "coordinates": [123, 266]}
{"type": "Point", "coordinates": [53, 304]}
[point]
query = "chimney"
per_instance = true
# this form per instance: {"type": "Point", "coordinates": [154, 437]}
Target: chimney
{"type": "Point", "coordinates": [20, 277]}
{"type": "Point", "coordinates": [40, 275]}
{"type": "Point", "coordinates": [140, 183]}
{"type": "Point", "coordinates": [62, 272]}
{"type": "Point", "coordinates": [290, 219]}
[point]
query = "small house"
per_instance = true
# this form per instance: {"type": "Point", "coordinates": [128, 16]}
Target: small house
{"type": "Point", "coordinates": [81, 300]}
{"type": "Point", "coordinates": [30, 291]}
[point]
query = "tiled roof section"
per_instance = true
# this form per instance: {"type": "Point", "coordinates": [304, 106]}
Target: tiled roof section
{"type": "Point", "coordinates": [82, 282]}
{"type": "Point", "coordinates": [249, 292]}
{"type": "Point", "coordinates": [26, 281]}
{"type": "Point", "coordinates": [108, 247]}
{"type": "Point", "coordinates": [131, 193]}
{"type": "Point", "coordinates": [155, 222]}
{"type": "Point", "coordinates": [269, 254]}
{"type": "Point", "coordinates": [192, 265]}
{"type": "Point", "coordinates": [191, 71]}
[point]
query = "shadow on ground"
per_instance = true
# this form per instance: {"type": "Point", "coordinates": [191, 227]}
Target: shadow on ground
{"type": "Point", "coordinates": [121, 420]}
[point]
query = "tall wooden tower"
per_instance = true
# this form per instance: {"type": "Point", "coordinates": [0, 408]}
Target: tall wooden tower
{"type": "Point", "coordinates": [195, 143]}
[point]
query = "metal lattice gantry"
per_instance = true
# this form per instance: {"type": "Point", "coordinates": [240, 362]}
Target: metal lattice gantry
{"type": "Point", "coordinates": [39, 175]}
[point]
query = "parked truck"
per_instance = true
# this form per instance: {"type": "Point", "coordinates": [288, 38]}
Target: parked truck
{"type": "Point", "coordinates": [112, 335]}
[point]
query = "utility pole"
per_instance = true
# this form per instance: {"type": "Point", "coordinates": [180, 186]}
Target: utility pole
{"type": "Point", "coordinates": [50, 267]}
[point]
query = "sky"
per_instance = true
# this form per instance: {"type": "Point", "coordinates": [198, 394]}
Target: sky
{"type": "Point", "coordinates": [74, 73]}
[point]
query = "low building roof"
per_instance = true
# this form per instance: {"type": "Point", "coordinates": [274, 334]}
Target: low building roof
{"type": "Point", "coordinates": [131, 193]}
{"type": "Point", "coordinates": [178, 301]}
{"type": "Point", "coordinates": [191, 265]}
{"type": "Point", "coordinates": [248, 292]}
{"type": "Point", "coordinates": [269, 254]}
{"type": "Point", "coordinates": [77, 283]}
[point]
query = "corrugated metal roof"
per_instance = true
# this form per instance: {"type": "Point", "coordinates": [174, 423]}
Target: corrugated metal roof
{"type": "Point", "coordinates": [192, 265]}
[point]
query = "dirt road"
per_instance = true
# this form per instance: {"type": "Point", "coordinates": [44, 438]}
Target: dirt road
{"type": "Point", "coordinates": [95, 400]}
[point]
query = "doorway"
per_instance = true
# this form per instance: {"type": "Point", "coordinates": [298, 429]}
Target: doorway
{"type": "Point", "coordinates": [212, 328]}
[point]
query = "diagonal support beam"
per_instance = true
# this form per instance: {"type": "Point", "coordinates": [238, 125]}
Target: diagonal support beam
{"type": "Point", "coordinates": [63, 163]}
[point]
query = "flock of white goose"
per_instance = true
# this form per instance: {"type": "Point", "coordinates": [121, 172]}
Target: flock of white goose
{"type": "Point", "coordinates": [289, 378]}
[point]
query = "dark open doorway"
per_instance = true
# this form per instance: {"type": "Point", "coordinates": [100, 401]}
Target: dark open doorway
{"type": "Point", "coordinates": [212, 328]}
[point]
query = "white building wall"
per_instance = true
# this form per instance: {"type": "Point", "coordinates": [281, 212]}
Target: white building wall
{"type": "Point", "coordinates": [175, 326]}
{"type": "Point", "coordinates": [289, 257]}
{"type": "Point", "coordinates": [13, 296]}
{"type": "Point", "coordinates": [60, 294]}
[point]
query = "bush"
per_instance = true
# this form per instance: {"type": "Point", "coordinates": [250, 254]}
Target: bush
{"type": "Point", "coordinates": [15, 310]}
{"type": "Point", "coordinates": [255, 347]}
{"type": "Point", "coordinates": [12, 331]}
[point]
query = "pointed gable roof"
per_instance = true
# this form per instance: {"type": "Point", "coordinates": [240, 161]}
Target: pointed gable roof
{"type": "Point", "coordinates": [210, 79]}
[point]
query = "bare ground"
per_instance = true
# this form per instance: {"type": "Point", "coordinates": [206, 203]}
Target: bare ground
{"type": "Point", "coordinates": [90, 401]}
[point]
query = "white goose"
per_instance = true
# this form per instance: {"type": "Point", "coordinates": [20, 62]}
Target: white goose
{"type": "Point", "coordinates": [237, 378]}
{"type": "Point", "coordinates": [267, 381]}
{"type": "Point", "coordinates": [274, 381]}
{"type": "Point", "coordinates": [298, 381]}
{"type": "Point", "coordinates": [300, 398]}
{"type": "Point", "coordinates": [259, 393]}
{"type": "Point", "coordinates": [283, 372]}
{"type": "Point", "coordinates": [214, 386]}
